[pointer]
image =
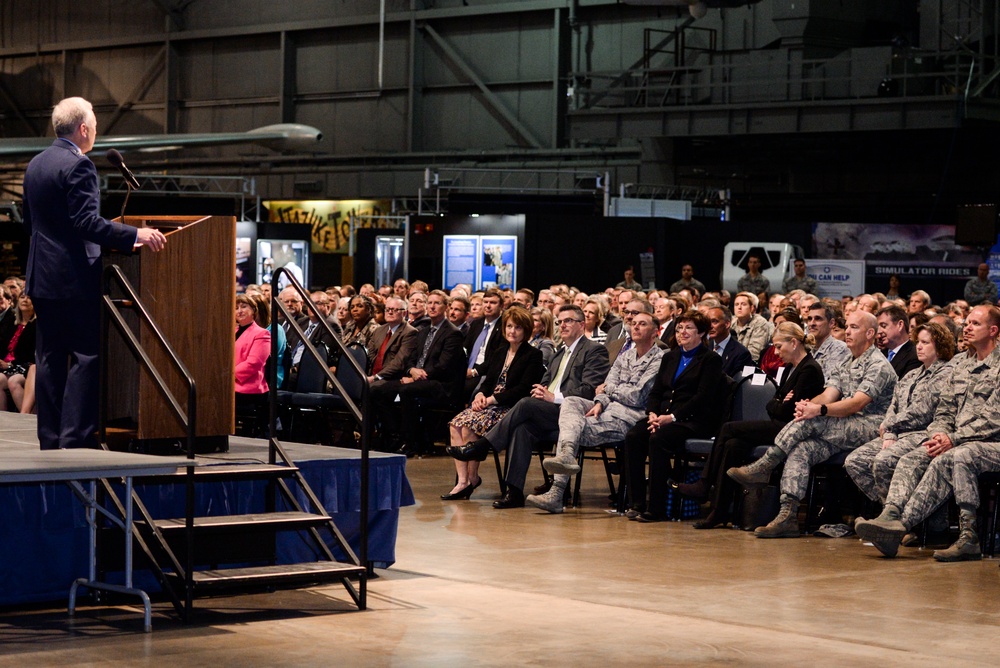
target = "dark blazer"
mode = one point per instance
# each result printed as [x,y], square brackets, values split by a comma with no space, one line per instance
[735,356]
[24,351]
[694,397]
[587,368]
[495,342]
[614,348]
[617,331]
[422,321]
[318,336]
[905,360]
[804,382]
[7,328]
[62,218]
[525,370]
[397,354]
[610,321]
[445,361]
[668,334]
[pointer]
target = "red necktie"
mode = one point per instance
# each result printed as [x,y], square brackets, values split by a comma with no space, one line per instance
[380,358]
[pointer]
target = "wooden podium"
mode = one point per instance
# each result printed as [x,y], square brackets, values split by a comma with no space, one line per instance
[189,290]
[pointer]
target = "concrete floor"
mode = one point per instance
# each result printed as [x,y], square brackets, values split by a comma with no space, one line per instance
[476,586]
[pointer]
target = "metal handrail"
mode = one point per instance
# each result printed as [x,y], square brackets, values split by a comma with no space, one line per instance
[360,413]
[111,314]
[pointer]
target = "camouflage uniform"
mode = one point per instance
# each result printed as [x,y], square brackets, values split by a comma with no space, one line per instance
[911,410]
[624,402]
[969,413]
[807,283]
[809,442]
[748,283]
[831,354]
[755,335]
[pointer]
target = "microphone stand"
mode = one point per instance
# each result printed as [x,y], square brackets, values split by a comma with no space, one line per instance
[125,203]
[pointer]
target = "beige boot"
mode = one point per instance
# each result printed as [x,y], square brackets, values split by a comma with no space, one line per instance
[786,524]
[966,548]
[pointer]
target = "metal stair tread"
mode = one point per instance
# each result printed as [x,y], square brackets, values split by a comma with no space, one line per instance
[224,471]
[273,575]
[281,520]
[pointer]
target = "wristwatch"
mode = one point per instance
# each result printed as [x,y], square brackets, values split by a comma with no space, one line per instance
[823,409]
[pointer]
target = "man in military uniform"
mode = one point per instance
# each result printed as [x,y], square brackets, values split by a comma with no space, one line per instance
[619,404]
[905,425]
[980,289]
[963,443]
[753,281]
[800,281]
[829,352]
[846,413]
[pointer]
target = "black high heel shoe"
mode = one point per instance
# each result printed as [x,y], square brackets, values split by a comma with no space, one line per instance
[462,494]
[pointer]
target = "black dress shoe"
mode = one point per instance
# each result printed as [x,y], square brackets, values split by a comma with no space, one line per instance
[544,487]
[409,450]
[712,521]
[514,498]
[473,451]
[647,517]
[461,495]
[696,490]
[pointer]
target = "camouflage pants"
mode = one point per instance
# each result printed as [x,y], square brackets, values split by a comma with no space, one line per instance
[909,471]
[575,430]
[933,489]
[810,442]
[971,459]
[871,466]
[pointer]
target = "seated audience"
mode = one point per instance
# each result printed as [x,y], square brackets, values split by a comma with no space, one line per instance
[770,361]
[253,347]
[541,334]
[751,330]
[362,325]
[510,375]
[392,345]
[19,354]
[593,313]
[734,356]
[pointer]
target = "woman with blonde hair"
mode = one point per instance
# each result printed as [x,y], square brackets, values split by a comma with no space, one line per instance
[541,333]
[802,379]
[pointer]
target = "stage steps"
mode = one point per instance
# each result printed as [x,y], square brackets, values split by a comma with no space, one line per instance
[284,576]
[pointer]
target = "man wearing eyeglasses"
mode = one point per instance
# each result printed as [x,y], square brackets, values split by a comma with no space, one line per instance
[576,371]
[629,311]
[392,344]
[316,334]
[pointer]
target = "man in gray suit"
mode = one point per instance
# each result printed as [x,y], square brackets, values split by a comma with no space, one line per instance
[576,371]
[392,345]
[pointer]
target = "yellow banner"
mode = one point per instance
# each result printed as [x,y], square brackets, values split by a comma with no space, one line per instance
[330,219]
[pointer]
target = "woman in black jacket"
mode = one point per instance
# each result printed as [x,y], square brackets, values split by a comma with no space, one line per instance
[683,404]
[512,370]
[802,379]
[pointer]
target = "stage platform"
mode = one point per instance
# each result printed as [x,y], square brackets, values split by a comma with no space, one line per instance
[43,529]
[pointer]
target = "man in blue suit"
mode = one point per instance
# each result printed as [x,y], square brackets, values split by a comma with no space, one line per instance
[62,217]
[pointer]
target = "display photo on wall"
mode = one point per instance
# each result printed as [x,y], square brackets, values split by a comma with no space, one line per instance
[498,268]
[273,254]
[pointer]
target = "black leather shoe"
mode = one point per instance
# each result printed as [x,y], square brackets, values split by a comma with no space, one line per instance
[648,517]
[544,487]
[711,522]
[409,450]
[473,451]
[461,495]
[514,498]
[696,490]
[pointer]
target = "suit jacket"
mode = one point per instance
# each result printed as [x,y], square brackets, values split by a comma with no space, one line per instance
[804,382]
[24,350]
[668,333]
[609,322]
[446,359]
[318,336]
[62,218]
[7,328]
[495,342]
[422,321]
[735,356]
[250,355]
[525,370]
[587,368]
[694,397]
[616,331]
[397,354]
[905,360]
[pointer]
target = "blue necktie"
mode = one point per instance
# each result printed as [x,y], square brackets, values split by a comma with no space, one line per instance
[892,353]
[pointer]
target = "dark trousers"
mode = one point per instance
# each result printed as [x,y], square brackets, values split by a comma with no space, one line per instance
[661,447]
[733,445]
[402,419]
[528,422]
[67,373]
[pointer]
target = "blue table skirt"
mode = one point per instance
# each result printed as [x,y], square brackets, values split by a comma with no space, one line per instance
[43,529]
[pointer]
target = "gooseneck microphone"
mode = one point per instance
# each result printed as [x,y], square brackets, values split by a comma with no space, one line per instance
[115,158]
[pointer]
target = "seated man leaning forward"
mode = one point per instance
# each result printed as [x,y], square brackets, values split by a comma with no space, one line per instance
[577,370]
[963,441]
[846,414]
[619,404]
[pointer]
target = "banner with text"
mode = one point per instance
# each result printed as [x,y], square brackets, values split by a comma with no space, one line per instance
[837,278]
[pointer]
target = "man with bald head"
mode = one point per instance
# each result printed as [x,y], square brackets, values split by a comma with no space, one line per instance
[846,414]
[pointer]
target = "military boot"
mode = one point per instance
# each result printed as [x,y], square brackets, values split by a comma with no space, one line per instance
[552,500]
[564,460]
[757,474]
[966,548]
[786,524]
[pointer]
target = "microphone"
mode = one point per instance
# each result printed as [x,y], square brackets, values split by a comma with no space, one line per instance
[115,158]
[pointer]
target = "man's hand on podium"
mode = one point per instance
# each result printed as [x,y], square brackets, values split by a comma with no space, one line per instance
[151,237]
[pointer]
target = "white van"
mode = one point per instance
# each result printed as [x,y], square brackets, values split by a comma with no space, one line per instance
[776,261]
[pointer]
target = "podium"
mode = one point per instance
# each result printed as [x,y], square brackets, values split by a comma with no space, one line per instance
[189,289]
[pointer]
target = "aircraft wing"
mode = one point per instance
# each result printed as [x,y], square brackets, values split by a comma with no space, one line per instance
[281,137]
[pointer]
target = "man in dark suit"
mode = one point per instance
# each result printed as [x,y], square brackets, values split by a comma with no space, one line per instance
[417,303]
[317,334]
[621,328]
[433,377]
[458,313]
[393,344]
[620,345]
[665,310]
[62,217]
[893,338]
[483,338]
[576,371]
[734,354]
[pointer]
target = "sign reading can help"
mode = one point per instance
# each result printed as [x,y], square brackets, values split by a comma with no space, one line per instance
[837,278]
